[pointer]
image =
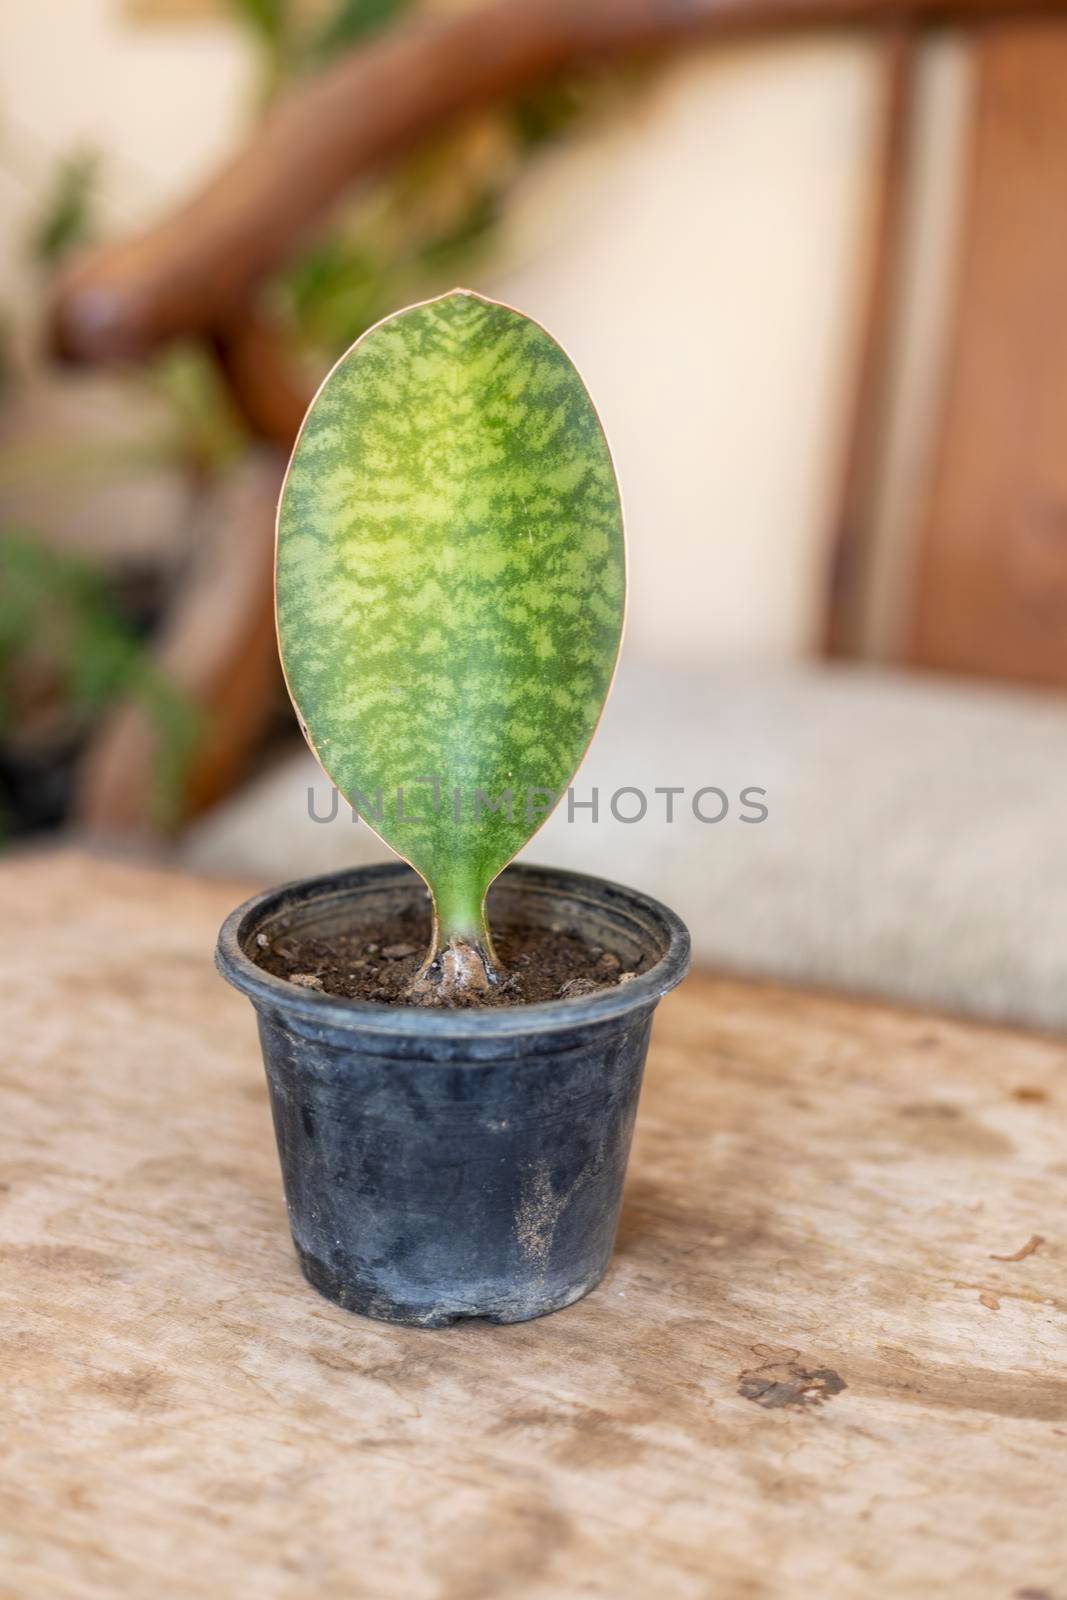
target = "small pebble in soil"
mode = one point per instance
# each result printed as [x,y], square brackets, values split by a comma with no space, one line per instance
[307,980]
[396,951]
[578,986]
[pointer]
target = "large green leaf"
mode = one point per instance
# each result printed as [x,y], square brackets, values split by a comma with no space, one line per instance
[450,586]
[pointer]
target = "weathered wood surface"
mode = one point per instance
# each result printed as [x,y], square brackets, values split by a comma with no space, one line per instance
[806,1374]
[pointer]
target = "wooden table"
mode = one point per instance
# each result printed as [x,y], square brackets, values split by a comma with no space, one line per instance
[828,1360]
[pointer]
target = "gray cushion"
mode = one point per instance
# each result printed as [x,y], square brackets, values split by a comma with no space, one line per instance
[913,846]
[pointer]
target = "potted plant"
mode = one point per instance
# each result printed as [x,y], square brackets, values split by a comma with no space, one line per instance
[454,1053]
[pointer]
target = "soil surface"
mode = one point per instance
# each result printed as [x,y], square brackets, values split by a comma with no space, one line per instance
[377,962]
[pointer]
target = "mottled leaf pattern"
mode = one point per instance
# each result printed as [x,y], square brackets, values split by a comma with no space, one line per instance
[450,584]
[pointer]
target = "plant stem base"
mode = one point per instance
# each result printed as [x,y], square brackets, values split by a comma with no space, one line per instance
[457,975]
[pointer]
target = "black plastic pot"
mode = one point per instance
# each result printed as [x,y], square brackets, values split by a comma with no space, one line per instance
[441,1164]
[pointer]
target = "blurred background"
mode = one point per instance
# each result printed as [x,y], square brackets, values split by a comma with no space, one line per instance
[810,260]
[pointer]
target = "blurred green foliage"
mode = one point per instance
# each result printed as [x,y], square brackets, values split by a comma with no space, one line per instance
[200,428]
[423,226]
[62,637]
[433,217]
[294,41]
[67,221]
[350,21]
[67,652]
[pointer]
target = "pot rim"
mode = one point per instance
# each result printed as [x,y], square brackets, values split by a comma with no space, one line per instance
[422,1022]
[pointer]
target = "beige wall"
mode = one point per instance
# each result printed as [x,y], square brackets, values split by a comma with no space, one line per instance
[700,267]
[162,103]
[698,262]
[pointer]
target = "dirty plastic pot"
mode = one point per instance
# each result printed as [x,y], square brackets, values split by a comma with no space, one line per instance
[441,1164]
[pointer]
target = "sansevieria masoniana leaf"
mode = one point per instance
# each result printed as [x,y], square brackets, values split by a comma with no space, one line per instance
[450,594]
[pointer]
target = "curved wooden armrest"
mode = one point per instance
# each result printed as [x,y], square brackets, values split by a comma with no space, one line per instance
[197,270]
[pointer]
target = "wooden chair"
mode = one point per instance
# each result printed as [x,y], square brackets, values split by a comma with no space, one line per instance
[988,588]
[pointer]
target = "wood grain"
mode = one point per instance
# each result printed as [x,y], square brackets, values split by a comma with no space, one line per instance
[804,1375]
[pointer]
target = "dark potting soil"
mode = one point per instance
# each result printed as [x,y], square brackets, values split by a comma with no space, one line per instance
[377,961]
